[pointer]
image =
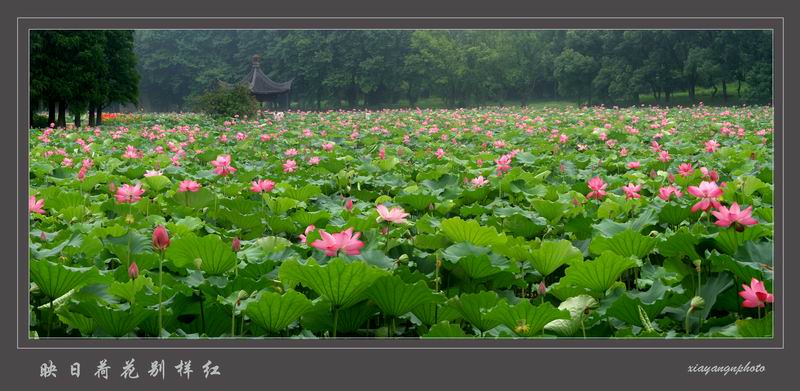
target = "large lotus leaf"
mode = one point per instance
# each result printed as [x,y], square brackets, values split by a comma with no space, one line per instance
[184,225]
[302,194]
[609,228]
[280,205]
[341,282]
[552,254]
[130,244]
[77,321]
[744,271]
[157,182]
[430,242]
[681,244]
[755,328]
[396,297]
[756,252]
[445,330]
[416,202]
[434,312]
[597,275]
[217,256]
[459,230]
[525,319]
[729,240]
[474,306]
[275,312]
[576,306]
[305,218]
[55,280]
[626,243]
[320,318]
[551,210]
[626,309]
[243,221]
[195,199]
[527,227]
[674,214]
[477,262]
[129,290]
[115,322]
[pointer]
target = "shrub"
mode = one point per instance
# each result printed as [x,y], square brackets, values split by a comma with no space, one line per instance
[226,101]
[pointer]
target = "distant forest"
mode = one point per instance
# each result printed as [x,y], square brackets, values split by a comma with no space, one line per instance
[379,68]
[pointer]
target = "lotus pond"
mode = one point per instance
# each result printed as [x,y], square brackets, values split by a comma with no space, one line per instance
[474,223]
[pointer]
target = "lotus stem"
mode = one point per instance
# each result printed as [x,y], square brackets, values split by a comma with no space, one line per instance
[335,319]
[50,318]
[160,289]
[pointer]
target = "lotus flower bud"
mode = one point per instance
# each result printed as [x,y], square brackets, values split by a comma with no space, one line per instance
[697,303]
[348,205]
[198,263]
[236,245]
[542,289]
[133,271]
[160,238]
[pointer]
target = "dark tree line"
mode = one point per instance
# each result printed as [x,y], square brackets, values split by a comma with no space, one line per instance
[378,68]
[81,71]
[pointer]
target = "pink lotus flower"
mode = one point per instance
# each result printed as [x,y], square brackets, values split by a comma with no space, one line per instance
[734,215]
[35,206]
[129,194]
[382,154]
[327,147]
[289,166]
[755,295]
[308,230]
[685,169]
[634,165]
[666,192]
[710,174]
[262,185]
[479,181]
[314,160]
[345,240]
[598,188]
[188,185]
[631,191]
[131,152]
[503,164]
[664,156]
[623,152]
[711,145]
[222,165]
[563,138]
[348,205]
[395,215]
[708,192]
[290,152]
[439,153]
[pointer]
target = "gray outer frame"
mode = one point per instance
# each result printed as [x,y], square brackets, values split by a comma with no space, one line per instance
[473,365]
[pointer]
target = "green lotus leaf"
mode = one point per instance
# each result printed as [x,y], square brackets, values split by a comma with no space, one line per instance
[598,275]
[445,330]
[216,256]
[729,240]
[474,306]
[552,254]
[550,210]
[320,318]
[674,214]
[157,182]
[302,194]
[343,283]
[281,205]
[435,312]
[77,321]
[755,328]
[197,199]
[626,243]
[626,309]
[416,202]
[681,244]
[576,307]
[55,280]
[743,271]
[525,319]
[459,230]
[395,297]
[275,312]
[115,322]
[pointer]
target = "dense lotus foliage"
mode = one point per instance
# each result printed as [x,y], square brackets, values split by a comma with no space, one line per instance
[473,223]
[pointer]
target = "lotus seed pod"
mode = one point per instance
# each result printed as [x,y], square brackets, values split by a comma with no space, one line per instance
[198,263]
